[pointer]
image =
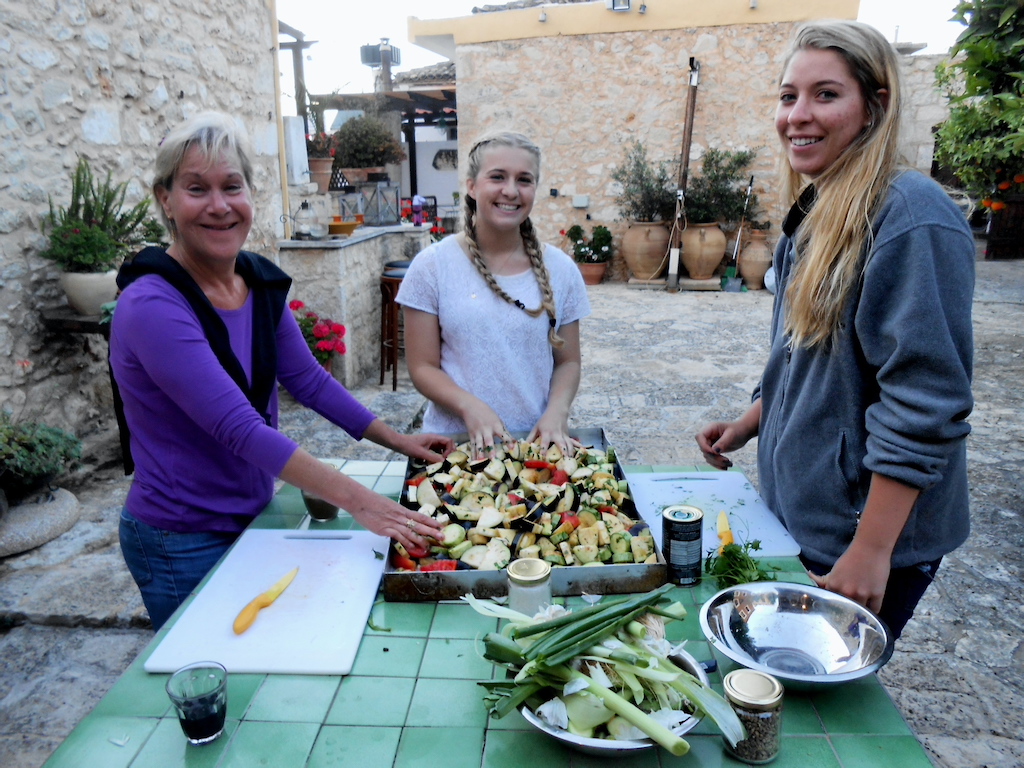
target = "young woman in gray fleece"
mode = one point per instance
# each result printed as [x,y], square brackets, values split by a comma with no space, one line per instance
[861,410]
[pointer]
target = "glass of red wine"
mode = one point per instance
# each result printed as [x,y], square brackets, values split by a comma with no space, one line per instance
[199,693]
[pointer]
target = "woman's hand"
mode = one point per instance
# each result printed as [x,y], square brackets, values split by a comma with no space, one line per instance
[410,528]
[553,430]
[720,437]
[859,575]
[424,445]
[484,426]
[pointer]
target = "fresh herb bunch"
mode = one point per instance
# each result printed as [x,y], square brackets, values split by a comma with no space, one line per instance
[323,336]
[735,565]
[32,454]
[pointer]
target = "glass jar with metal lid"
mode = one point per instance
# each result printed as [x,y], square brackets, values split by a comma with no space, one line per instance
[529,585]
[756,698]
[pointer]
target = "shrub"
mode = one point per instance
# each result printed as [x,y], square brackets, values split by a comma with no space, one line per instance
[365,142]
[32,454]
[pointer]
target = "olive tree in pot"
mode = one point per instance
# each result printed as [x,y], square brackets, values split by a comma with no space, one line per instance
[91,236]
[364,145]
[715,197]
[647,200]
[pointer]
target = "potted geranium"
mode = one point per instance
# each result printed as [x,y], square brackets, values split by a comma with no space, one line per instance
[591,256]
[91,236]
[323,336]
[647,200]
[365,145]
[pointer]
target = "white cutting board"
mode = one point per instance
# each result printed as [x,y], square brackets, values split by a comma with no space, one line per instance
[712,492]
[313,628]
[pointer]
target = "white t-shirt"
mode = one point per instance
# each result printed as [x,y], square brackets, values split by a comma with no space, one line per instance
[491,348]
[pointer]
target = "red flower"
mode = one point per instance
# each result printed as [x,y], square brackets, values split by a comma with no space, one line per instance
[321,330]
[339,347]
[295,304]
[338,329]
[325,346]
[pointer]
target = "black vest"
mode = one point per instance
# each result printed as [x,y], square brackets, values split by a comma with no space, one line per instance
[269,287]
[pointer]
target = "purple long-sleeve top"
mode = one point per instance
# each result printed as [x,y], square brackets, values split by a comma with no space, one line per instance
[205,460]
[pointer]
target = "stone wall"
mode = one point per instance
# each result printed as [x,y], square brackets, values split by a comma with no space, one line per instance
[340,280]
[106,80]
[583,98]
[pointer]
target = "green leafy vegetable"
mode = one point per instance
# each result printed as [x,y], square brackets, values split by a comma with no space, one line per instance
[736,565]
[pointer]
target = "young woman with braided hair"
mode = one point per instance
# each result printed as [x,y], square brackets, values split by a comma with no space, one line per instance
[861,411]
[492,314]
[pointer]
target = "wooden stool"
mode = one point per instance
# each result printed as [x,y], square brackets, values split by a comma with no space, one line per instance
[390,325]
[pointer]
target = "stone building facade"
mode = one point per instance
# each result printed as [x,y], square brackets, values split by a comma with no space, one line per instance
[105,80]
[584,82]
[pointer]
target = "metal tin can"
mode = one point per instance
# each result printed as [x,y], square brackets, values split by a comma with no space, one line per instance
[682,531]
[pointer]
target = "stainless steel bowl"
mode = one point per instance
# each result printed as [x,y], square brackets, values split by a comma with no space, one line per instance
[805,636]
[607,747]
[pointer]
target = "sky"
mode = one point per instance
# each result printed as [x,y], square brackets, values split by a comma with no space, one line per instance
[342,26]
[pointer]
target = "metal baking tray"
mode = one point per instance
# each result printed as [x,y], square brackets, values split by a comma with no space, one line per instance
[567,580]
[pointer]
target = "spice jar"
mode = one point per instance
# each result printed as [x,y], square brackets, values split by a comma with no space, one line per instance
[529,585]
[756,698]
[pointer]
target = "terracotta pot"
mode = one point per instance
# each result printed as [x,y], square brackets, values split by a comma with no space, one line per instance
[645,248]
[593,274]
[320,172]
[755,259]
[360,175]
[88,291]
[703,249]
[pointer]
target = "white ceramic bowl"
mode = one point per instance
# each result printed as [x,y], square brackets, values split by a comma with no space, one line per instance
[611,747]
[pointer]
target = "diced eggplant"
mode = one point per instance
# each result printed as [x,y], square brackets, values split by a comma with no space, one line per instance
[474,556]
[433,469]
[456,458]
[495,470]
[533,551]
[477,500]
[464,513]
[490,517]
[554,454]
[496,556]
[566,551]
[427,494]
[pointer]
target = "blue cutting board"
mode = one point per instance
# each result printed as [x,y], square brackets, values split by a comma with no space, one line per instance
[711,492]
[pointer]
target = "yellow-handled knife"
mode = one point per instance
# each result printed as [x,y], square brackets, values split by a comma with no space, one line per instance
[248,614]
[724,531]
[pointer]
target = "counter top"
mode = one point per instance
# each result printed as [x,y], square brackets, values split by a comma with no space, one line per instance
[412,700]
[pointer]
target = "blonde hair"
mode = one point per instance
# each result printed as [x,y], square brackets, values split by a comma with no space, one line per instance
[849,192]
[214,135]
[531,243]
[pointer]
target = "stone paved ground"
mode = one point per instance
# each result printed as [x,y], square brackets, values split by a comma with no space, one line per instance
[657,366]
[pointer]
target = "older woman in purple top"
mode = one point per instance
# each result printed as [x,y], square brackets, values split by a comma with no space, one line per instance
[200,339]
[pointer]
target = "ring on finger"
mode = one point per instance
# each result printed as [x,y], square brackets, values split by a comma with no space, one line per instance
[410,523]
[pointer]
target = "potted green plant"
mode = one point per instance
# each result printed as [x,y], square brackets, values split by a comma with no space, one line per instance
[365,145]
[591,256]
[32,455]
[982,141]
[91,236]
[647,199]
[323,336]
[320,150]
[717,195]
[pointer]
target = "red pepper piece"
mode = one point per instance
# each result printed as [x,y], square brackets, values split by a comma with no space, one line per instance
[559,477]
[537,464]
[440,565]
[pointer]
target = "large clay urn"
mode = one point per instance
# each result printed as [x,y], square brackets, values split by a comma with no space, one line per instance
[645,248]
[703,249]
[755,259]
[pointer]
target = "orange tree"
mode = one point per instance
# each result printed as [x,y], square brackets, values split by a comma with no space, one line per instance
[983,139]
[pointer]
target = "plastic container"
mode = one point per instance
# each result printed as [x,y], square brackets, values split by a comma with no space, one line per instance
[756,698]
[529,585]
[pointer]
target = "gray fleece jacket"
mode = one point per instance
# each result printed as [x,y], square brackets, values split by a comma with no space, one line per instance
[890,396]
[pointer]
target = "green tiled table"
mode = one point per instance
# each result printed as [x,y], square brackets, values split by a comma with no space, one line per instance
[412,701]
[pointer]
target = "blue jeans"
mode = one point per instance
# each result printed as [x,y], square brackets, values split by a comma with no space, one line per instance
[903,591]
[167,565]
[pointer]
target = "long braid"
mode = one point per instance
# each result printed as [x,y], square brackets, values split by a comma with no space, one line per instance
[535,251]
[531,244]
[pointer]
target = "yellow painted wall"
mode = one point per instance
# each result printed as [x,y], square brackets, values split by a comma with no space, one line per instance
[440,35]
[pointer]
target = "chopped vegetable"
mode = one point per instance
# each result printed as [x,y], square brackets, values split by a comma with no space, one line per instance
[724,531]
[599,671]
